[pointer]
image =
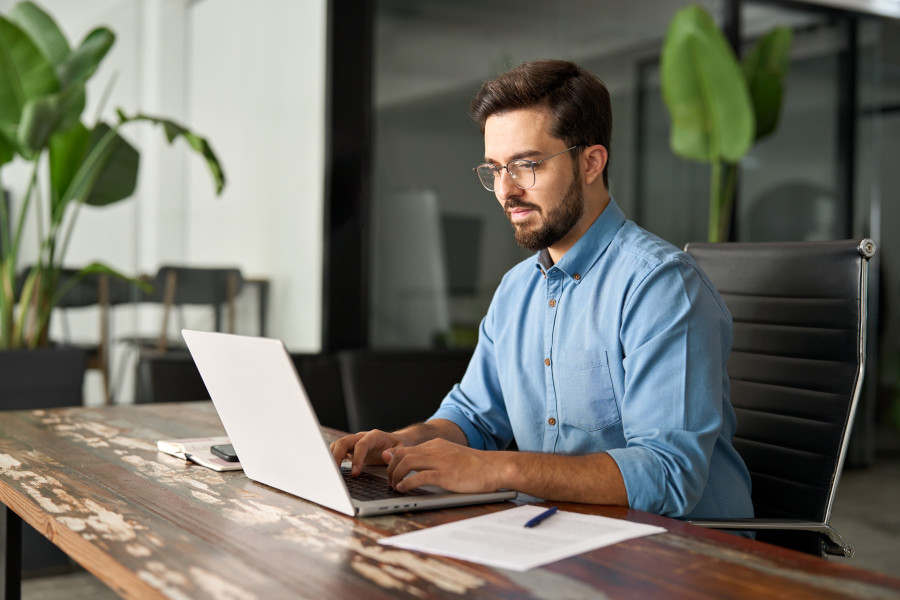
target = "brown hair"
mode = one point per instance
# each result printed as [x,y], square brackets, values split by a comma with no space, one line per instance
[578,101]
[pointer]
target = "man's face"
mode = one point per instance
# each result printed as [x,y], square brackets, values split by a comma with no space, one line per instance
[543,214]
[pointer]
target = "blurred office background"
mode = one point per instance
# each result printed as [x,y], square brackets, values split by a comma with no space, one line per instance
[344,133]
[343,130]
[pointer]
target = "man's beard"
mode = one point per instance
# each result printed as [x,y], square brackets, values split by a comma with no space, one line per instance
[556,223]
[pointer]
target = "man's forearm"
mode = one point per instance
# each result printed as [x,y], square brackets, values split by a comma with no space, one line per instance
[591,479]
[433,429]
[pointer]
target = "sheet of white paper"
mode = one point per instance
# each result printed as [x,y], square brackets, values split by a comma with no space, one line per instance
[501,539]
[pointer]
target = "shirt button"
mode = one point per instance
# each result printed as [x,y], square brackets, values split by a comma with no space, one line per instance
[551,421]
[552,303]
[576,276]
[547,361]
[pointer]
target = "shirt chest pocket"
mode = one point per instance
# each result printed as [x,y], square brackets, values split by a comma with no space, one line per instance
[584,390]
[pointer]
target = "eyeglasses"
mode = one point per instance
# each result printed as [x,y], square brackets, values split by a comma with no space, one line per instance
[521,171]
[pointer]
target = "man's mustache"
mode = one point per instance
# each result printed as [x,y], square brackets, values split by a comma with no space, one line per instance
[509,205]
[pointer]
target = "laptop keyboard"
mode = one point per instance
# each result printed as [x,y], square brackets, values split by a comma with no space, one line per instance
[372,487]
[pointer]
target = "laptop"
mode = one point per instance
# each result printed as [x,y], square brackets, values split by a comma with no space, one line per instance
[274,430]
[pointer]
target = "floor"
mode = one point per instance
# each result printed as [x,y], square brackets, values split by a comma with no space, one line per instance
[866,513]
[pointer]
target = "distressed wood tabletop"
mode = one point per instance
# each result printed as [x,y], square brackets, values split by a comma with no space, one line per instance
[153,526]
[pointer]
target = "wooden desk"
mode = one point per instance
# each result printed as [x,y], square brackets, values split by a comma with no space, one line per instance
[152,526]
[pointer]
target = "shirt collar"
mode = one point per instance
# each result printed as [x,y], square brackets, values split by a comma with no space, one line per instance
[581,257]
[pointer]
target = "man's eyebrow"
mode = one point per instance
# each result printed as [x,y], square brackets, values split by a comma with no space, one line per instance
[516,156]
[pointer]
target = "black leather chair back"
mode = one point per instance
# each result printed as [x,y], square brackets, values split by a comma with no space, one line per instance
[169,377]
[390,389]
[796,363]
[321,378]
[195,285]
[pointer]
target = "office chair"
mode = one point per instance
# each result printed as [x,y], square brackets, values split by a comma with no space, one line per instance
[321,378]
[176,286]
[796,369]
[169,377]
[390,389]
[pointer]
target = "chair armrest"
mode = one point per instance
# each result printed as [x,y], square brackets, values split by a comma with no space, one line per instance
[832,542]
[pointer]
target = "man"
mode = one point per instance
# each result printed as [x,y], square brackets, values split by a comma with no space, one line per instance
[603,359]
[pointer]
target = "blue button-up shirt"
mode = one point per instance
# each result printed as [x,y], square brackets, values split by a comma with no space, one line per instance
[620,347]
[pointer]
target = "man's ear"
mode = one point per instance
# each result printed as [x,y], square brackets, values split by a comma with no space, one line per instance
[594,158]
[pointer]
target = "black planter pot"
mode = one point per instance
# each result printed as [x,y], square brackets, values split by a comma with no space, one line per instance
[43,378]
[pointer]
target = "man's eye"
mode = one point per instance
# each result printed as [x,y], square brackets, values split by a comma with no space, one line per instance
[521,166]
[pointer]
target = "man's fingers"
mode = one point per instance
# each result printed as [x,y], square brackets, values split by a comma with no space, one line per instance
[360,451]
[366,447]
[369,448]
[417,479]
[406,461]
[344,447]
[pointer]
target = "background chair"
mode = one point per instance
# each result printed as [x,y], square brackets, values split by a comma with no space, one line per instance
[103,291]
[321,378]
[177,286]
[389,389]
[170,377]
[796,369]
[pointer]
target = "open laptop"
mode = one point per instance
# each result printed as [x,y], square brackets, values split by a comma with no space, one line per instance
[271,424]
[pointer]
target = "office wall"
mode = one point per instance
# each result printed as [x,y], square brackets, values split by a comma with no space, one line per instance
[255,85]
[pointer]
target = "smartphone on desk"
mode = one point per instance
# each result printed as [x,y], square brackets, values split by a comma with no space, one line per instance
[224,451]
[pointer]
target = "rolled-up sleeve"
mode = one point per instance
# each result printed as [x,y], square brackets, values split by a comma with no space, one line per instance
[675,336]
[476,404]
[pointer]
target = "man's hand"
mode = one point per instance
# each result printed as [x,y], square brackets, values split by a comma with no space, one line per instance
[446,464]
[592,478]
[364,448]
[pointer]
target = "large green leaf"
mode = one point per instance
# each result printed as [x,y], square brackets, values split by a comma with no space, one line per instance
[118,176]
[43,116]
[96,167]
[705,91]
[765,68]
[109,173]
[173,130]
[25,73]
[42,30]
[83,61]
[68,150]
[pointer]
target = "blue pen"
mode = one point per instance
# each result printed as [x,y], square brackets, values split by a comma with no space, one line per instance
[541,517]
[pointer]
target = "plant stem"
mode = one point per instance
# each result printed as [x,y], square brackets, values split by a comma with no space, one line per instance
[4,223]
[23,214]
[715,200]
[7,277]
[727,200]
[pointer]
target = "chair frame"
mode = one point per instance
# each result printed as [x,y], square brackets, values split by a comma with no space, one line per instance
[831,541]
[171,283]
[101,354]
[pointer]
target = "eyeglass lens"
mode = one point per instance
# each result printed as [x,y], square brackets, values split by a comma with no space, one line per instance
[521,172]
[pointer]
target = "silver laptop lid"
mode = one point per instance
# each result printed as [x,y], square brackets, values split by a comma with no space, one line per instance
[267,415]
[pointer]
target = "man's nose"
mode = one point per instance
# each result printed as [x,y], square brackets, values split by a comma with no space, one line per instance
[505,187]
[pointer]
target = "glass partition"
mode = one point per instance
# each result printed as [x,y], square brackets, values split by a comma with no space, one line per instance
[439,242]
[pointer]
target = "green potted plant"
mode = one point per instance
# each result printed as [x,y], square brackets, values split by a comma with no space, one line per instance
[718,106]
[75,163]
